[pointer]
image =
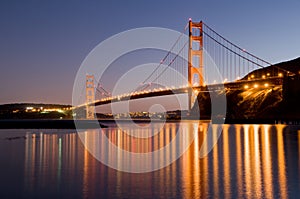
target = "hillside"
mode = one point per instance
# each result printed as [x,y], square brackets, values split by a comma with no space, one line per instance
[291,67]
[271,103]
[34,111]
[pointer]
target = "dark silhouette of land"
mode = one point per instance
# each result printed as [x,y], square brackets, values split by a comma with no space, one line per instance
[35,111]
[259,105]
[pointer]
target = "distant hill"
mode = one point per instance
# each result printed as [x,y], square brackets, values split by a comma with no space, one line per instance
[34,111]
[5,107]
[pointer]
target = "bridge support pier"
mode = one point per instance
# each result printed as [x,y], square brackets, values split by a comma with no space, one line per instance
[195,59]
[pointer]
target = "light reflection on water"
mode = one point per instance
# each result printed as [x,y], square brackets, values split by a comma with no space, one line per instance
[248,161]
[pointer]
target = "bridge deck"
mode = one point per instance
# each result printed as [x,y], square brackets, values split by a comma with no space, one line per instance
[239,84]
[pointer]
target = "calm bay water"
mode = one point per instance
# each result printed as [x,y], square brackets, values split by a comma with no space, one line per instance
[248,161]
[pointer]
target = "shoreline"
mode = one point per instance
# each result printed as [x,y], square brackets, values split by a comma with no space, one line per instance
[49,124]
[92,124]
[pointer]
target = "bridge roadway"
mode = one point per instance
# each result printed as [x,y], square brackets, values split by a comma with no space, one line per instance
[239,84]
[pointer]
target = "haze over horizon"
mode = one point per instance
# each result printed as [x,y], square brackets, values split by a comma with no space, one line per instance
[44,43]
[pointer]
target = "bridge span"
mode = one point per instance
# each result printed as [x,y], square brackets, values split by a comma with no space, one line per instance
[237,85]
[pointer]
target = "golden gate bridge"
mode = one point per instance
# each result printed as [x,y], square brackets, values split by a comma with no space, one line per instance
[238,69]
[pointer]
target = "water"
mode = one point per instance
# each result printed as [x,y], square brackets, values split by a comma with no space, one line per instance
[248,161]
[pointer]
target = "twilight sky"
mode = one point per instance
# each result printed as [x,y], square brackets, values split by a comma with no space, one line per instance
[43,43]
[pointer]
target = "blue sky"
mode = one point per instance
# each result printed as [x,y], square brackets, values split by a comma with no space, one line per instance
[43,43]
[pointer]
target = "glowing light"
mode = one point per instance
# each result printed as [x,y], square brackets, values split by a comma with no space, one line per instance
[266,84]
[264,77]
[268,74]
[280,74]
[246,86]
[190,19]
[252,76]
[255,85]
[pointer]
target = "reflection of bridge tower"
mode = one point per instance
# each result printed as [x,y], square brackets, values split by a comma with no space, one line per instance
[90,96]
[195,58]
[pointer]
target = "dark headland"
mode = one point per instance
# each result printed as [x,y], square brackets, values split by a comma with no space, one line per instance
[276,104]
[41,116]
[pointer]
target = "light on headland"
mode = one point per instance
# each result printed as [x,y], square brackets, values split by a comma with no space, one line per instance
[266,84]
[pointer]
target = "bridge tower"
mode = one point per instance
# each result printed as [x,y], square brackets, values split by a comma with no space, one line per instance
[90,96]
[195,59]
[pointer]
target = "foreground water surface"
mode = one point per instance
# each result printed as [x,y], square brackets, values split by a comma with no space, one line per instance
[247,161]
